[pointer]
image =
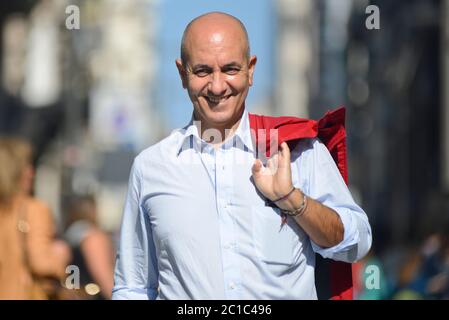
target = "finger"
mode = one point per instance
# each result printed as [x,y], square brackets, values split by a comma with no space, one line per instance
[257,167]
[272,163]
[284,154]
[285,150]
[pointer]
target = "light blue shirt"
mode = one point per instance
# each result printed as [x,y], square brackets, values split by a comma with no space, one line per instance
[195,226]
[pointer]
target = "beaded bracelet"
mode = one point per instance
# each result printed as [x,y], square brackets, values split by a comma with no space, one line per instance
[297,212]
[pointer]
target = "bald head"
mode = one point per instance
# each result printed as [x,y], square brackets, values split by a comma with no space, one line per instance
[214,26]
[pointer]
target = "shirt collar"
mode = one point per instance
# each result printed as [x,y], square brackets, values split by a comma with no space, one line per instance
[190,133]
[243,131]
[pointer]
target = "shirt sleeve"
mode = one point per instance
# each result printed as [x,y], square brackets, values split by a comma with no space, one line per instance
[136,273]
[326,185]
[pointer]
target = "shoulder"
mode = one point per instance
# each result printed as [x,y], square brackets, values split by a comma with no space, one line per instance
[308,148]
[96,241]
[160,152]
[38,214]
[96,236]
[37,205]
[78,231]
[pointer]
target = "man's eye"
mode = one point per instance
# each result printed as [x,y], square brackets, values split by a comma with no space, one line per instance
[232,71]
[201,73]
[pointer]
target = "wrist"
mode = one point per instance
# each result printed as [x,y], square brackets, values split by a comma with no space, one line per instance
[283,196]
[293,202]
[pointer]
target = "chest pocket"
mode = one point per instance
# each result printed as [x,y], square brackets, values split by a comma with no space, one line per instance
[274,244]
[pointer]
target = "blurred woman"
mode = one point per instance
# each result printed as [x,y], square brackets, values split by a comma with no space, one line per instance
[92,249]
[29,254]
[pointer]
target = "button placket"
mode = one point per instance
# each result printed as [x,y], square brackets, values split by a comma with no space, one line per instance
[227,236]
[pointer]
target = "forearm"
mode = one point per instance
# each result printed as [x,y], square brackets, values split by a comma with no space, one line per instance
[44,262]
[322,224]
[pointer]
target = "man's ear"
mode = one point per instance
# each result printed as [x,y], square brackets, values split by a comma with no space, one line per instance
[182,73]
[251,66]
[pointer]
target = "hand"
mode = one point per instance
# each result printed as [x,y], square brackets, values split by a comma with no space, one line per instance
[275,179]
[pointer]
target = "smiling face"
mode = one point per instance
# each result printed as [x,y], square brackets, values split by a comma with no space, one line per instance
[217,71]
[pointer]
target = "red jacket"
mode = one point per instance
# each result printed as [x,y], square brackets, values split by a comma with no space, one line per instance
[331,131]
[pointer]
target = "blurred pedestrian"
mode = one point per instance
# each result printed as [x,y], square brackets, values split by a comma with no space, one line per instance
[32,261]
[410,285]
[436,266]
[92,248]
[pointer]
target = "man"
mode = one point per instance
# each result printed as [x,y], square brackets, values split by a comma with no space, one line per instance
[199,220]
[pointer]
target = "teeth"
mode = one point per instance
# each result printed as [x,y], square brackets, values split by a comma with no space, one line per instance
[216,100]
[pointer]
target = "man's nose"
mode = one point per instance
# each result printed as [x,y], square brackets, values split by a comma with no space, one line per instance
[217,84]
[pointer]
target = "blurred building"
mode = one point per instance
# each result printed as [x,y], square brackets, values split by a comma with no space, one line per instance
[392,83]
[395,96]
[445,100]
[116,49]
[296,65]
[80,95]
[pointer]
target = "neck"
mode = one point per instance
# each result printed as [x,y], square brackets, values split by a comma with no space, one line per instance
[218,134]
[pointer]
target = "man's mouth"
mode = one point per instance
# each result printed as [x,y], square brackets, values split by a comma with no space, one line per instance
[217,100]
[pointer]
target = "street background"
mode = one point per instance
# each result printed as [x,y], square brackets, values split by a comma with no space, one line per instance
[92,98]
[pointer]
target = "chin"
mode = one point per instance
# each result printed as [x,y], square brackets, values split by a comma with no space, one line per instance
[220,117]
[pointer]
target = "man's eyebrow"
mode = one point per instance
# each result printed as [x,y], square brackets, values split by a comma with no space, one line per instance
[232,64]
[201,66]
[205,66]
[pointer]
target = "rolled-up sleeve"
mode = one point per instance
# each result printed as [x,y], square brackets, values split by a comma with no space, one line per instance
[327,186]
[136,273]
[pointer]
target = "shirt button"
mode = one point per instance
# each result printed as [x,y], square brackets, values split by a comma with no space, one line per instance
[232,285]
[230,245]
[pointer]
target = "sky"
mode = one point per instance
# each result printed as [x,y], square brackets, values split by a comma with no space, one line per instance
[259,18]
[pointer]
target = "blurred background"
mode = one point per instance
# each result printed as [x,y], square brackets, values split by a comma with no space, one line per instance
[92,98]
